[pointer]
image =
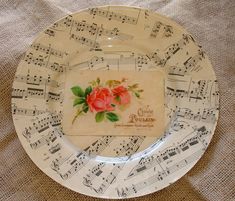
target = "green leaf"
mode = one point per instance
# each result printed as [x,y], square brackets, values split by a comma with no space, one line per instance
[137,95]
[99,116]
[134,86]
[85,108]
[78,101]
[113,105]
[98,80]
[112,116]
[77,91]
[88,91]
[93,83]
[117,98]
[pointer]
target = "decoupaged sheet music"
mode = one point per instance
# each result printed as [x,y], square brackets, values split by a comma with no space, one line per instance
[122,39]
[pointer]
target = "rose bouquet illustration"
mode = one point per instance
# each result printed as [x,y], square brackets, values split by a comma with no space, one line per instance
[104,99]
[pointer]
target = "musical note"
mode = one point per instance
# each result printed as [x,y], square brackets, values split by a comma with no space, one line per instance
[188,66]
[192,90]
[81,26]
[114,15]
[110,179]
[141,61]
[51,96]
[85,41]
[138,62]
[48,50]
[37,93]
[133,61]
[73,164]
[55,148]
[198,90]
[99,145]
[65,23]
[95,171]
[175,47]
[155,29]
[168,30]
[95,30]
[36,80]
[68,21]
[27,133]
[18,93]
[214,94]
[50,32]
[58,162]
[207,115]
[127,148]
[156,59]
[26,111]
[88,64]
[47,140]
[43,61]
[146,14]
[130,146]
[192,61]
[159,60]
[178,93]
[34,93]
[159,176]
[146,163]
[41,125]
[179,125]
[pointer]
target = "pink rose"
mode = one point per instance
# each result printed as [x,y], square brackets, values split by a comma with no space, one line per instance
[100,100]
[121,95]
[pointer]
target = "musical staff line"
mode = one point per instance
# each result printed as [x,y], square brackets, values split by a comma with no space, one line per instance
[96,30]
[47,140]
[48,50]
[26,111]
[207,115]
[167,30]
[146,163]
[50,32]
[151,60]
[194,90]
[44,61]
[176,47]
[37,93]
[158,177]
[68,167]
[128,148]
[188,66]
[85,41]
[41,125]
[36,80]
[110,15]
[93,29]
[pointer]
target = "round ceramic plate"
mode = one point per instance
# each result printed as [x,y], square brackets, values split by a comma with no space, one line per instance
[125,40]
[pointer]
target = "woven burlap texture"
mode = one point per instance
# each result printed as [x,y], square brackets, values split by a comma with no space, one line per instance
[210,22]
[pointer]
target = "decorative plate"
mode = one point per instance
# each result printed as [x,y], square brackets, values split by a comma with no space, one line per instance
[129,41]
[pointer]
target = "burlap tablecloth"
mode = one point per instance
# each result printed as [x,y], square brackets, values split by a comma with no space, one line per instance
[211,22]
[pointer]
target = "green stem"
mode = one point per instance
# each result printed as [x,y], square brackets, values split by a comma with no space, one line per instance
[75,117]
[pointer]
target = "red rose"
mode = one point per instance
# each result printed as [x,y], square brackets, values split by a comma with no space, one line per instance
[100,100]
[121,95]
